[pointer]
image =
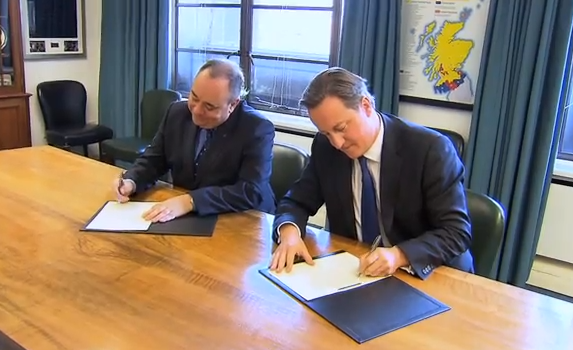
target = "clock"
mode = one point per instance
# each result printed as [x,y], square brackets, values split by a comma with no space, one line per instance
[3,38]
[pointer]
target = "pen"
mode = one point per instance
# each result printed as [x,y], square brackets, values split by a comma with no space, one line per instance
[373,247]
[120,183]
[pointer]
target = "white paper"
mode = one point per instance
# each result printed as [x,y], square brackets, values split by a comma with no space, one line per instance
[331,274]
[115,216]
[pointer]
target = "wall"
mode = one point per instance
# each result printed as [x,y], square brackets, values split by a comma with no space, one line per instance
[85,70]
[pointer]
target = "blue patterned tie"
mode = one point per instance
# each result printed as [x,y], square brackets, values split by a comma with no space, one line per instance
[369,210]
[205,136]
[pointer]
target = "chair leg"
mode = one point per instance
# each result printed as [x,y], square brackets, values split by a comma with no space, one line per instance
[85,148]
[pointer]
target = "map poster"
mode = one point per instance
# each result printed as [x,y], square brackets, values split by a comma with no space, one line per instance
[441,48]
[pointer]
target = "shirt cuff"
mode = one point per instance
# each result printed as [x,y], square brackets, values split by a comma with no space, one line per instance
[133,183]
[279,230]
[408,269]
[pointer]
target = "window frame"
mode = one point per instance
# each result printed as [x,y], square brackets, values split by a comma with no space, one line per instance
[246,57]
[567,118]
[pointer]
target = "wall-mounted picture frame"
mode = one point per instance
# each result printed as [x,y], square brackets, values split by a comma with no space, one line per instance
[53,29]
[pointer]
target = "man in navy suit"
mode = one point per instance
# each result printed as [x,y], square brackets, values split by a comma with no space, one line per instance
[216,146]
[377,175]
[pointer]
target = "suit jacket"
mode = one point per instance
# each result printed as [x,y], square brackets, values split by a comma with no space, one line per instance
[233,174]
[422,199]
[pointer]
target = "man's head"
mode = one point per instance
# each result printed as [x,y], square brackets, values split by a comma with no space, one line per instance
[217,89]
[341,107]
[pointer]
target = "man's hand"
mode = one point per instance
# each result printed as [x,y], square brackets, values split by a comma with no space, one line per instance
[382,262]
[169,209]
[290,247]
[123,189]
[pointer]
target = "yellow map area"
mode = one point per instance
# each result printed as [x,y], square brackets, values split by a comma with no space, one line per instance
[446,53]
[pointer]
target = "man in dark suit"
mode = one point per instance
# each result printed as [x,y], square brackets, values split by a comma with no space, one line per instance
[377,175]
[216,146]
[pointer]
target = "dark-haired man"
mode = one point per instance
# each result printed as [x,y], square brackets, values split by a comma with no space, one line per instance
[377,175]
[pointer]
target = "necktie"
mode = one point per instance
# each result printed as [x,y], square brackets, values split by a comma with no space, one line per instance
[369,210]
[205,136]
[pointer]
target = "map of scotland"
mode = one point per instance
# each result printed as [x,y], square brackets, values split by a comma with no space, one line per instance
[443,49]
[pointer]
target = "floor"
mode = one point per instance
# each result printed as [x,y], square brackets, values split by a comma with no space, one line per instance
[552,275]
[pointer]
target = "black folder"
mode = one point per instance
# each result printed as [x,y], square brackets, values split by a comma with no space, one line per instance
[372,310]
[190,224]
[6,343]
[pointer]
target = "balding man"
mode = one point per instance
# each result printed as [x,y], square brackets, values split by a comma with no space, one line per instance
[216,146]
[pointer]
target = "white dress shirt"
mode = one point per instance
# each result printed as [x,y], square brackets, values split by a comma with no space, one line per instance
[374,157]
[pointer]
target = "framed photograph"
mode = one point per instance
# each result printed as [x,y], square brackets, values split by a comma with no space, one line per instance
[53,29]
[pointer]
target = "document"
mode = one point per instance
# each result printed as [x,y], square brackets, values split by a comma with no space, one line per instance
[330,274]
[115,216]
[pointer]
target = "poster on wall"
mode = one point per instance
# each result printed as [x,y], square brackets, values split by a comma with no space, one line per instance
[441,49]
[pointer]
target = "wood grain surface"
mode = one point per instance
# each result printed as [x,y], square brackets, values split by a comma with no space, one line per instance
[65,289]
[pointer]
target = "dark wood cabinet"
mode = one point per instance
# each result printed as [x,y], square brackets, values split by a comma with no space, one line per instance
[14,101]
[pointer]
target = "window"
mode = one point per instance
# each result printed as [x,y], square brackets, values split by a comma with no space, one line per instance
[280,44]
[565,151]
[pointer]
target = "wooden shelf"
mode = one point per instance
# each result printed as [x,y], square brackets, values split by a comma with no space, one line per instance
[14,101]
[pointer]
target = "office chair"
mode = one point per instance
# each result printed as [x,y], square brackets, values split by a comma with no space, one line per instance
[488,227]
[288,163]
[63,106]
[153,107]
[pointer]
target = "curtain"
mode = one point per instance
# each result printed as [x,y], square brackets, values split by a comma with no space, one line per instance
[134,59]
[370,47]
[517,118]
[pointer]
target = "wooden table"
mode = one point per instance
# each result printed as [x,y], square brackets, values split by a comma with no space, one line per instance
[65,289]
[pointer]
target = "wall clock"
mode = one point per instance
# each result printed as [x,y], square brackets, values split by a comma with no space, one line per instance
[3,38]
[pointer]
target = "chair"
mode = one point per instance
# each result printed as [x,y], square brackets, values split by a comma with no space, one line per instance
[457,139]
[154,105]
[288,163]
[63,105]
[488,227]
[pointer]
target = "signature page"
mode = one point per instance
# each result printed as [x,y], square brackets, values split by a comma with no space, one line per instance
[329,275]
[115,216]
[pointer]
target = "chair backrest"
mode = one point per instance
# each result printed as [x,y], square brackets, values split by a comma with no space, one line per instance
[63,103]
[154,105]
[488,227]
[288,163]
[457,139]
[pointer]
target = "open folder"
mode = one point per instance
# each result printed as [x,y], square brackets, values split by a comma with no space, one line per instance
[128,217]
[362,307]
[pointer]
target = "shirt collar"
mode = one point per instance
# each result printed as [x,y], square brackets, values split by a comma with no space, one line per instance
[374,153]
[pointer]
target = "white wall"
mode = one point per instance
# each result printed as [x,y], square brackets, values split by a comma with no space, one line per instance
[84,70]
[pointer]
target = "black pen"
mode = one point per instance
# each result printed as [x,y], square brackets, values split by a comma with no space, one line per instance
[120,184]
[373,247]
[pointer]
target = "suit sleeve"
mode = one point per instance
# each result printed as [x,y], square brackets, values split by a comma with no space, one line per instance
[253,178]
[446,211]
[152,164]
[303,199]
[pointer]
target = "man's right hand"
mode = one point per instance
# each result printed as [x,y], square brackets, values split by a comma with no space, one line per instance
[291,245]
[123,189]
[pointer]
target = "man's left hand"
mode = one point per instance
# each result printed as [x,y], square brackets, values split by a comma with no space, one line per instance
[169,209]
[382,262]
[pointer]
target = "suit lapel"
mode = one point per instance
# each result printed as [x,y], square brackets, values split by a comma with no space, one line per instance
[344,179]
[190,144]
[218,144]
[390,167]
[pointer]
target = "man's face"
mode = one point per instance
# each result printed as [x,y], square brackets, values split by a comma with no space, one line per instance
[209,101]
[348,130]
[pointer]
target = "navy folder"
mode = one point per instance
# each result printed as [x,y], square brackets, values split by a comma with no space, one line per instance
[372,310]
[6,343]
[187,225]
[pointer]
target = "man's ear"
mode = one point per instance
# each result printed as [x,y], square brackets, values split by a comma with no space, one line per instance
[367,105]
[234,105]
